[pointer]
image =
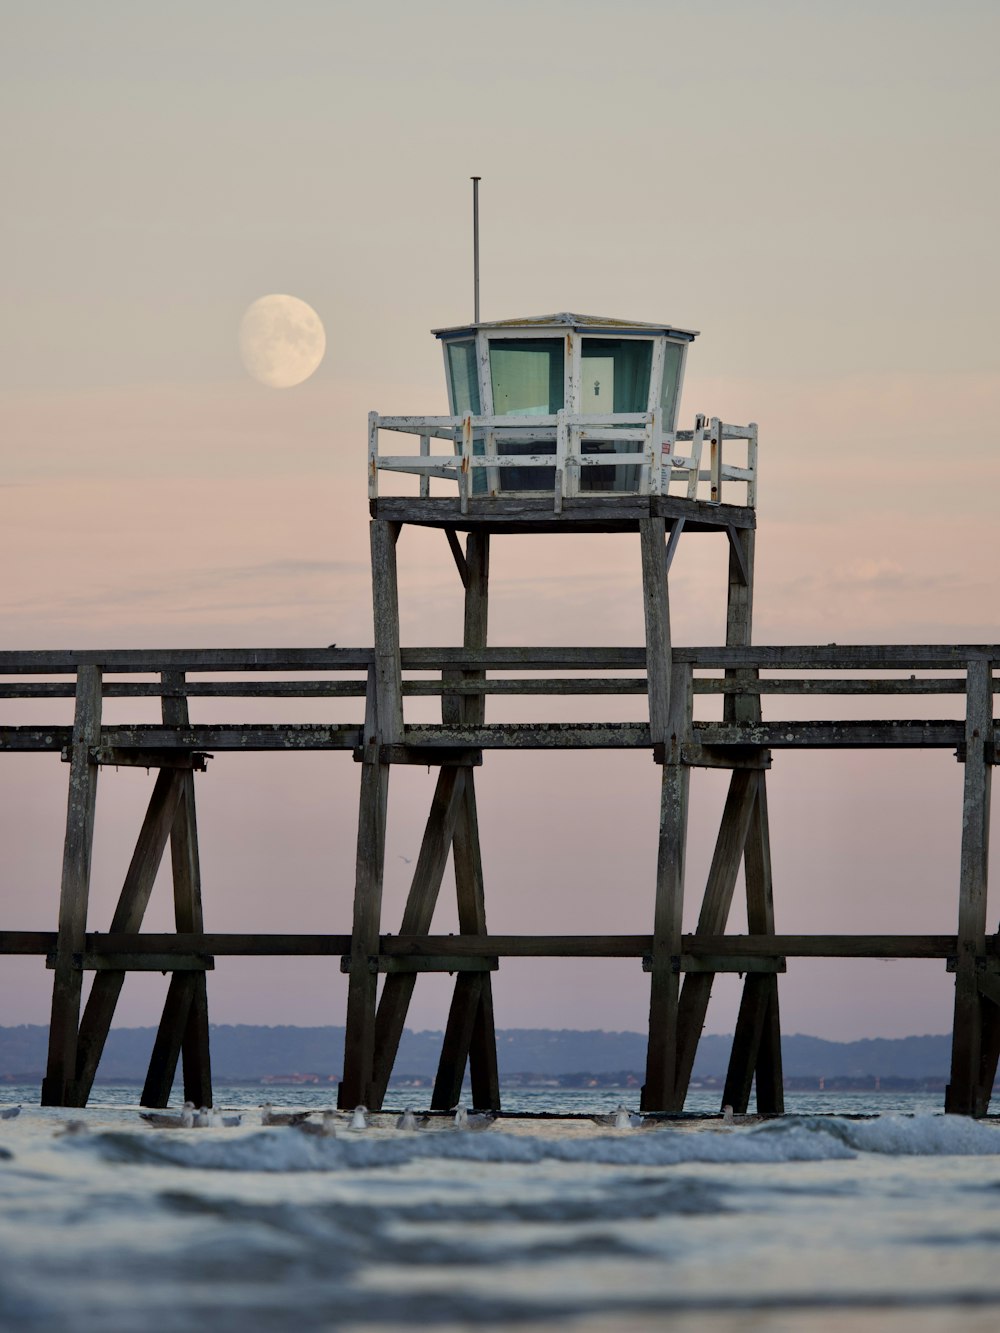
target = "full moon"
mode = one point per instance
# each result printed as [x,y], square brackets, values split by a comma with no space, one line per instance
[282,340]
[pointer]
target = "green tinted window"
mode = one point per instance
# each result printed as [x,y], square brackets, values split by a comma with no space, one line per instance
[527,376]
[615,374]
[673,359]
[464,383]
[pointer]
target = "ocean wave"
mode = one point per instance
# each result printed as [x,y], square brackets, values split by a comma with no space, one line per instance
[799,1139]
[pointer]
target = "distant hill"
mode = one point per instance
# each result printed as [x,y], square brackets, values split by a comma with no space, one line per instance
[250,1053]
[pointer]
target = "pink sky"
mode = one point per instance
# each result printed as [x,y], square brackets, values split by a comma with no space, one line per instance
[817,208]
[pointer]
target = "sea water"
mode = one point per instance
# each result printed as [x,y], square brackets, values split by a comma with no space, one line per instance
[849,1221]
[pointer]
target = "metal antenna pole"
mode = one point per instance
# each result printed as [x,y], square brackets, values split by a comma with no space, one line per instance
[475,241]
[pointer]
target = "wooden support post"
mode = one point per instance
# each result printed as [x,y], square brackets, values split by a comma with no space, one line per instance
[181,995]
[482,1047]
[187,996]
[697,989]
[658,1093]
[75,890]
[757,1041]
[385,598]
[417,916]
[356,1087]
[127,919]
[656,606]
[470,1036]
[966,1094]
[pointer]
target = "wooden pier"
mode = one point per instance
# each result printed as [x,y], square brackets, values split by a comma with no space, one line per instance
[681,967]
[516,471]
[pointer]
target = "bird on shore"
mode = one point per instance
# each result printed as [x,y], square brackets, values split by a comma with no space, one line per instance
[477,1121]
[407,1120]
[268,1116]
[161,1120]
[359,1118]
[620,1119]
[10,1112]
[327,1129]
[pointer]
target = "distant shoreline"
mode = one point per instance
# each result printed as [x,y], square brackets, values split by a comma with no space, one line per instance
[285,1056]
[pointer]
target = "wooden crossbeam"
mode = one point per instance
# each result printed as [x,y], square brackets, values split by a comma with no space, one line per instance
[127,918]
[697,988]
[428,873]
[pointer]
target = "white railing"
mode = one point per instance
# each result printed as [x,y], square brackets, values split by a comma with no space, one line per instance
[477,449]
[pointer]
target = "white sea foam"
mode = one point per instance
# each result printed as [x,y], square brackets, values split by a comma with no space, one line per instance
[809,1139]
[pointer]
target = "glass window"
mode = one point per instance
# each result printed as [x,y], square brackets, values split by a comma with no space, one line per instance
[528,378]
[527,375]
[463,380]
[673,359]
[627,361]
[614,378]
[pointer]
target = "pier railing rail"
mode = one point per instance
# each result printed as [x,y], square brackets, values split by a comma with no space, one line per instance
[570,445]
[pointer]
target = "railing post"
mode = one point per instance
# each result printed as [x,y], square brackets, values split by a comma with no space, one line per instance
[694,472]
[715,461]
[654,452]
[465,474]
[373,455]
[425,480]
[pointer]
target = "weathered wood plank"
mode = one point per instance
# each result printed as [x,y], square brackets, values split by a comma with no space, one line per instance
[608,513]
[359,1042]
[760,920]
[482,1049]
[394,966]
[74,892]
[965,1095]
[230,945]
[817,657]
[656,611]
[659,1089]
[776,735]
[189,916]
[385,600]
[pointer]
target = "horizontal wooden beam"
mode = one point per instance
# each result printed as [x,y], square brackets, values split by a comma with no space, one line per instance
[441,947]
[587,513]
[689,962]
[120,758]
[540,685]
[444,756]
[784,657]
[137,962]
[392,963]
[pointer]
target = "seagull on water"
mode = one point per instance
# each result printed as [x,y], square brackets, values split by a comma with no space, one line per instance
[359,1118]
[407,1120]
